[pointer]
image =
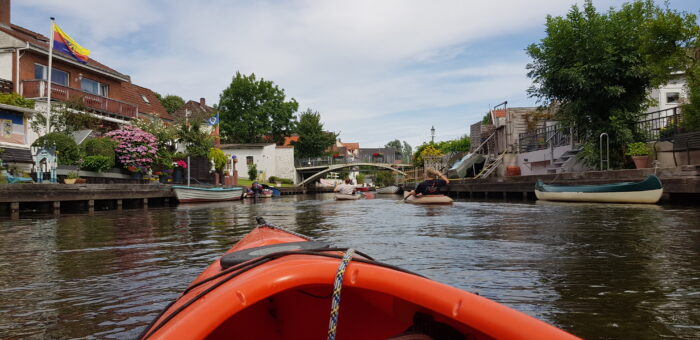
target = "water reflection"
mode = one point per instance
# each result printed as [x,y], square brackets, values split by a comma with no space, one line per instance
[599,271]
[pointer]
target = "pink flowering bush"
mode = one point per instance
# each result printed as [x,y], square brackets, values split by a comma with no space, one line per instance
[136,149]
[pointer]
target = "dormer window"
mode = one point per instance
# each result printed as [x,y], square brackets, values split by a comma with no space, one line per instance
[145,99]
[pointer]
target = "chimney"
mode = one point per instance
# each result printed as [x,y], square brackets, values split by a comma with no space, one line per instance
[202,101]
[5,13]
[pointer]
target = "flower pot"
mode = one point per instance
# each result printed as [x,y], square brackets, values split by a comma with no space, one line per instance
[69,180]
[177,175]
[640,162]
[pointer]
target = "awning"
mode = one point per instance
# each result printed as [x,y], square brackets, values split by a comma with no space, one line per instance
[15,155]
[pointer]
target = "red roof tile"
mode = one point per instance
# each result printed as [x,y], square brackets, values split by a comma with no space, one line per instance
[135,94]
[42,42]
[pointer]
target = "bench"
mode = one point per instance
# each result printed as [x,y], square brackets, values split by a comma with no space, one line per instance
[686,142]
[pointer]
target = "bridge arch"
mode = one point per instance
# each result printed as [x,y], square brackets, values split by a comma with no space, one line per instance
[349,165]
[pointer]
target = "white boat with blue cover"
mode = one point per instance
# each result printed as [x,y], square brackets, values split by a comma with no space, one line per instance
[187,194]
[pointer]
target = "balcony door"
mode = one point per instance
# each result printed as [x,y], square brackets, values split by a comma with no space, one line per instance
[57,76]
[94,87]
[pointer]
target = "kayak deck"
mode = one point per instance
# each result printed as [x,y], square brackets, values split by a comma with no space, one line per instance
[287,295]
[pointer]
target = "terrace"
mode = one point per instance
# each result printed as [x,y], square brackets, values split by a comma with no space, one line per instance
[107,106]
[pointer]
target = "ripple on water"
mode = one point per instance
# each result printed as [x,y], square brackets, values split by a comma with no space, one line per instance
[599,271]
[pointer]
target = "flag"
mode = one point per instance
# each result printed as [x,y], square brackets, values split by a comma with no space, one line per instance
[64,43]
[214,120]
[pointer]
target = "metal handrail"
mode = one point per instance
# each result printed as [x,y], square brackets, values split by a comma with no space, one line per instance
[605,160]
[484,143]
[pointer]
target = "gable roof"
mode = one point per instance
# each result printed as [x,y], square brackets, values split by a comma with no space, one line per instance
[40,43]
[151,105]
[197,110]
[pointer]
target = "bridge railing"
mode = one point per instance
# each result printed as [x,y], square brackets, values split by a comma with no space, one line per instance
[328,161]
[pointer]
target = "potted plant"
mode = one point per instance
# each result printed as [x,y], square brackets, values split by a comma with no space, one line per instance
[71,177]
[639,151]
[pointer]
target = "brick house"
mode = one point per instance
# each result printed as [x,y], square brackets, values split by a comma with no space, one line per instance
[106,93]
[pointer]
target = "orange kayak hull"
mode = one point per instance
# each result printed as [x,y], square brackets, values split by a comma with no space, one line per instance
[290,298]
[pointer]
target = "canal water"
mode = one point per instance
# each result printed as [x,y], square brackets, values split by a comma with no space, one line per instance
[598,271]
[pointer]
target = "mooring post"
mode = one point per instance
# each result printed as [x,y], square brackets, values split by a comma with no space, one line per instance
[14,210]
[524,195]
[145,203]
[91,206]
[56,208]
[120,205]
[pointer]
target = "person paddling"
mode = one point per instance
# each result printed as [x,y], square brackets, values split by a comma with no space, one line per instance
[431,186]
[345,189]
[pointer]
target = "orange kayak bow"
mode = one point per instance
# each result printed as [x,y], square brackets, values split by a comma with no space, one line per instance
[276,284]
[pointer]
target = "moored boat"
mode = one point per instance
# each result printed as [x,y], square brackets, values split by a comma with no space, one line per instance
[427,199]
[392,189]
[187,194]
[276,284]
[646,191]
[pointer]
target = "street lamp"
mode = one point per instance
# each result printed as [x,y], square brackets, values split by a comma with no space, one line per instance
[432,134]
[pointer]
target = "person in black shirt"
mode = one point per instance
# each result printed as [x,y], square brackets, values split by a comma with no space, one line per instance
[431,186]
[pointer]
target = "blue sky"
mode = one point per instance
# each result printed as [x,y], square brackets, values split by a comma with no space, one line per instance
[375,70]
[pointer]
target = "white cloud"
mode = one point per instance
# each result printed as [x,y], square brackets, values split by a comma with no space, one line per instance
[376,70]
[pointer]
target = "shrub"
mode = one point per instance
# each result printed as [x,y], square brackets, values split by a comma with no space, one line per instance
[252,172]
[638,149]
[97,163]
[68,153]
[100,147]
[136,148]
[16,100]
[219,158]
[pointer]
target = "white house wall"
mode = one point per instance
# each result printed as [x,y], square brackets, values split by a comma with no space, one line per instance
[285,163]
[6,65]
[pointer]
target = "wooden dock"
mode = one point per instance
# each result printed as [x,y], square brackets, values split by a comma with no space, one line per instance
[80,198]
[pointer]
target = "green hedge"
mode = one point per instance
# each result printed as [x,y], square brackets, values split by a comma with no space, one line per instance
[68,153]
[103,147]
[274,179]
[97,163]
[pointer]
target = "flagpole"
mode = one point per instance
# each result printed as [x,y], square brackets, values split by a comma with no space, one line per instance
[48,96]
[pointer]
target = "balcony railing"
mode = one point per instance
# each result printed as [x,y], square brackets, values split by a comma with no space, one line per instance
[544,138]
[38,89]
[661,125]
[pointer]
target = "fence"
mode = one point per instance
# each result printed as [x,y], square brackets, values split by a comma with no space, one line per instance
[326,161]
[543,138]
[661,125]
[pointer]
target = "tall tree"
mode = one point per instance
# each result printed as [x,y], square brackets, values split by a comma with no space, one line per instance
[407,151]
[252,109]
[171,102]
[599,67]
[313,141]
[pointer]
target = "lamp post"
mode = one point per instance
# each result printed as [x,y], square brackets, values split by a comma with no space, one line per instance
[432,134]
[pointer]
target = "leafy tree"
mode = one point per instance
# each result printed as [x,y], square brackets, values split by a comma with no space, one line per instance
[171,102]
[457,145]
[599,67]
[426,149]
[406,151]
[252,109]
[313,141]
[396,144]
[196,141]
[219,159]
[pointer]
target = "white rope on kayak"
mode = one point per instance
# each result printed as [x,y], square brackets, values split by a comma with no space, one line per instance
[337,286]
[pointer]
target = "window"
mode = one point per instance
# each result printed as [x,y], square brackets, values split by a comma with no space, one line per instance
[145,99]
[249,160]
[672,97]
[94,87]
[57,76]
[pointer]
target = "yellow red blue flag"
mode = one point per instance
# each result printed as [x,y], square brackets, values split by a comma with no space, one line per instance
[63,42]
